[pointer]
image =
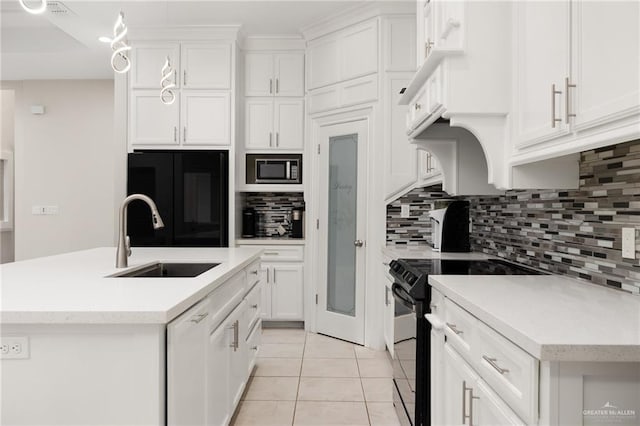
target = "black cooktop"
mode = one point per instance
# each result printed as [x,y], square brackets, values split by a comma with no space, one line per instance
[412,274]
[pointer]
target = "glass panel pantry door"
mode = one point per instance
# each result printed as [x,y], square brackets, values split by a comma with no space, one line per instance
[341,249]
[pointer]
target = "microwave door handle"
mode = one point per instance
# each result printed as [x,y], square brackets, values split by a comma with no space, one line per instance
[288,170]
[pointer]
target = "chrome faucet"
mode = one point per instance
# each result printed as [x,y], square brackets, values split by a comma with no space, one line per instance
[124,245]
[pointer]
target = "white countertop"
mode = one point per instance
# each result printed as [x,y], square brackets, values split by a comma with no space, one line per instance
[268,241]
[425,252]
[552,317]
[72,288]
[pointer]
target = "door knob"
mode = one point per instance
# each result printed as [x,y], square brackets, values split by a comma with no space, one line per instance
[358,243]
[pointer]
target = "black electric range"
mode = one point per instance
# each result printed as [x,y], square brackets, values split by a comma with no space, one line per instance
[412,375]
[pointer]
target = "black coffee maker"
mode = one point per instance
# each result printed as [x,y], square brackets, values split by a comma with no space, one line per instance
[297,222]
[249,222]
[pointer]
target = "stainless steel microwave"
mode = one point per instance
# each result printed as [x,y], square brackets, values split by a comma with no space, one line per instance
[274,168]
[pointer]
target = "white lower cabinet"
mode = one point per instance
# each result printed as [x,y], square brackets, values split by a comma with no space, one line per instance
[284,283]
[468,400]
[211,351]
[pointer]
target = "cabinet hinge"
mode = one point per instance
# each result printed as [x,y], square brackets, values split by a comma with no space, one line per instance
[316,299]
[318,148]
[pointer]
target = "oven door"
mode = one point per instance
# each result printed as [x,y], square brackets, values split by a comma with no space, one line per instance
[404,362]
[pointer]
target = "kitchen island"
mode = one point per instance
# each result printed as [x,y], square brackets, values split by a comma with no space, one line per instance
[83,347]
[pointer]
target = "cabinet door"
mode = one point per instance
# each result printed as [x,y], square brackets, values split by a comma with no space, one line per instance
[238,359]
[152,122]
[218,401]
[359,51]
[322,65]
[458,379]
[286,295]
[606,54]
[206,66]
[259,123]
[401,158]
[289,123]
[258,74]
[289,74]
[265,303]
[489,409]
[206,118]
[542,55]
[147,60]
[187,340]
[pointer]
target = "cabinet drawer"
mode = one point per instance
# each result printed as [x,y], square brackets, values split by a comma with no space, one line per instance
[253,307]
[460,327]
[226,297]
[511,372]
[253,345]
[253,274]
[277,253]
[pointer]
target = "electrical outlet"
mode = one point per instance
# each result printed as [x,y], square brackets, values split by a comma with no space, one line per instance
[404,210]
[629,243]
[14,347]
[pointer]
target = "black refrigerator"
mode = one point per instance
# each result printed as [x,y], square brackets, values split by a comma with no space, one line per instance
[191,190]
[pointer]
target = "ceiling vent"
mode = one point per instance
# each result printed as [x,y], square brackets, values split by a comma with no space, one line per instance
[58,8]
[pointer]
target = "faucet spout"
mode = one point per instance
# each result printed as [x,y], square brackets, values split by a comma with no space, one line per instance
[124,249]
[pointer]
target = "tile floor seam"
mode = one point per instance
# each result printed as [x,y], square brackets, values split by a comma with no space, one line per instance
[295,404]
[364,396]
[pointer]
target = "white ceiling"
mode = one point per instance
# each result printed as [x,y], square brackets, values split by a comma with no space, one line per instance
[65,46]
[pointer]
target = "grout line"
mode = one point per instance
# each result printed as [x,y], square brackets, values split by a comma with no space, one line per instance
[295,404]
[366,407]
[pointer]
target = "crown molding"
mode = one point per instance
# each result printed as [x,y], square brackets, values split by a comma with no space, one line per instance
[196,32]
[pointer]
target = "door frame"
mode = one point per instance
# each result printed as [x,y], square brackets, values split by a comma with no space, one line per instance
[311,178]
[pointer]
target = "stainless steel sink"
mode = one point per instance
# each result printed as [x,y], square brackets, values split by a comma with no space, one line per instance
[166,270]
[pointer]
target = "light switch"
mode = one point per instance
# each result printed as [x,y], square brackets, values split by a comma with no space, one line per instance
[404,210]
[629,243]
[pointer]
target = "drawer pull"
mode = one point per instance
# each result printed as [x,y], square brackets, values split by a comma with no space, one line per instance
[198,318]
[235,327]
[271,253]
[454,329]
[254,306]
[492,362]
[254,272]
[254,348]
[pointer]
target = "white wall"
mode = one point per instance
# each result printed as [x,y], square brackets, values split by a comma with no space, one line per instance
[7,115]
[64,158]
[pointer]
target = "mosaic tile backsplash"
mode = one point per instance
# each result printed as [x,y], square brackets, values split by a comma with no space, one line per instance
[273,208]
[570,232]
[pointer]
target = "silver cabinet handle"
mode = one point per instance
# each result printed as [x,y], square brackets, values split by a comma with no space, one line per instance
[554,92]
[493,362]
[471,405]
[254,348]
[386,296]
[567,107]
[270,85]
[270,253]
[235,327]
[184,134]
[417,106]
[198,318]
[270,138]
[175,133]
[358,243]
[254,272]
[454,329]
[464,401]
[277,85]
[427,47]
[267,276]
[184,78]
[277,138]
[255,306]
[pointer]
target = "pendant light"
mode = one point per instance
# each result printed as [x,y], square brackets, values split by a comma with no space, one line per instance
[167,82]
[119,46]
[34,10]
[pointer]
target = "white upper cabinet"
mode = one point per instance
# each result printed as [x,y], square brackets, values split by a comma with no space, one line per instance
[150,121]
[147,60]
[576,69]
[274,124]
[206,65]
[274,74]
[205,118]
[542,64]
[605,58]
[347,54]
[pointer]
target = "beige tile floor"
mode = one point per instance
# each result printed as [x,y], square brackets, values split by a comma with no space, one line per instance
[310,379]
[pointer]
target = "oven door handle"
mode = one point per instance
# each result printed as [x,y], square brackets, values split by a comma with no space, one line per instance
[396,289]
